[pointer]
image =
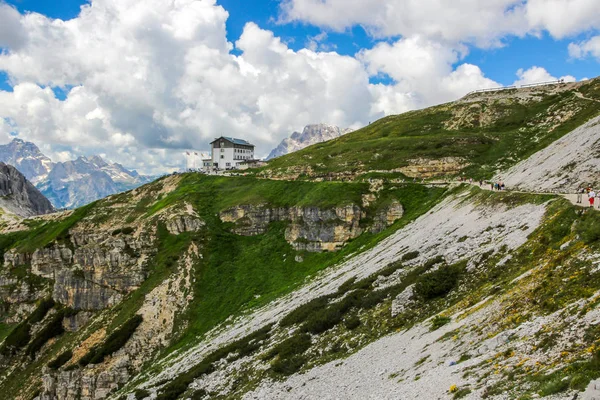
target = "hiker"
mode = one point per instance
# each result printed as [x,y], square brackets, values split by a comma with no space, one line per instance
[491,185]
[580,191]
[592,196]
[502,187]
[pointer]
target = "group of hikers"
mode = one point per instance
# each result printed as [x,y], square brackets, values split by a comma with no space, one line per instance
[591,194]
[497,185]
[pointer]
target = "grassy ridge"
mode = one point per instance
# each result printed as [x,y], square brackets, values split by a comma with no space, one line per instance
[517,131]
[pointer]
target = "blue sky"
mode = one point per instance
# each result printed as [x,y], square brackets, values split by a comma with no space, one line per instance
[140,81]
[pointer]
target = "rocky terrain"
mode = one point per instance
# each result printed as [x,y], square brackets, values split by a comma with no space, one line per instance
[349,281]
[311,134]
[18,196]
[72,183]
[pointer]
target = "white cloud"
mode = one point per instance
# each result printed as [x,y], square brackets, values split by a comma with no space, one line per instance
[538,75]
[424,69]
[562,18]
[12,33]
[585,48]
[473,21]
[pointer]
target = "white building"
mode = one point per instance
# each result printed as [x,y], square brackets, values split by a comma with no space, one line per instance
[228,152]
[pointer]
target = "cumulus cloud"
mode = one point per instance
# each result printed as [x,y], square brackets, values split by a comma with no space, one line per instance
[586,48]
[483,23]
[423,68]
[12,33]
[538,75]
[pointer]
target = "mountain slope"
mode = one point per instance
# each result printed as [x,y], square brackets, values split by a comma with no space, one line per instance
[477,136]
[311,134]
[18,196]
[566,165]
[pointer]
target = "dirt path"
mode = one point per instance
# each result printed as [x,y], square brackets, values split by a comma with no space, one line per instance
[572,197]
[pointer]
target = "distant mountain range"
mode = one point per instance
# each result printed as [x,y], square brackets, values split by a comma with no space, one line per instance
[73,183]
[312,134]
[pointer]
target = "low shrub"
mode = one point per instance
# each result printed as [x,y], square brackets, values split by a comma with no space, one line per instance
[300,314]
[438,283]
[288,366]
[141,394]
[53,329]
[114,342]
[352,322]
[433,261]
[411,255]
[438,321]
[41,310]
[128,230]
[61,360]
[17,339]
[293,346]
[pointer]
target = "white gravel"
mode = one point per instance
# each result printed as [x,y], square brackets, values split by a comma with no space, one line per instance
[436,233]
[561,167]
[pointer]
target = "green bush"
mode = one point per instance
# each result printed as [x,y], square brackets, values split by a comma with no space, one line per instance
[141,394]
[300,314]
[411,255]
[288,366]
[352,322]
[438,283]
[438,321]
[117,231]
[436,260]
[291,347]
[128,230]
[52,329]
[114,342]
[41,310]
[17,339]
[61,360]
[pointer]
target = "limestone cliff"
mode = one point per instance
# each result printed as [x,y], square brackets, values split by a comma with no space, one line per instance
[18,196]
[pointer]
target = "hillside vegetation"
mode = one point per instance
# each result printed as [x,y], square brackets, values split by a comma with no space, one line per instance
[174,229]
[476,136]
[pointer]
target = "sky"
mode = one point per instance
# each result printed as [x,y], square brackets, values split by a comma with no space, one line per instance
[139,82]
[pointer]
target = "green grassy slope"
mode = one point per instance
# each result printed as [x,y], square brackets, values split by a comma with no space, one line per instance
[234,274]
[488,133]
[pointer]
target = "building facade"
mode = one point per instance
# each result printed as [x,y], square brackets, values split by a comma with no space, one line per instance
[228,153]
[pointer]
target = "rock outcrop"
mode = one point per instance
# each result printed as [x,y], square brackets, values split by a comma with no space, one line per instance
[311,228]
[18,196]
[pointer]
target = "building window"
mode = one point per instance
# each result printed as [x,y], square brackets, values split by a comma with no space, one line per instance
[222,156]
[228,164]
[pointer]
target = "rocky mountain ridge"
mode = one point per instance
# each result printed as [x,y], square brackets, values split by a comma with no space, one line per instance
[18,196]
[72,183]
[311,134]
